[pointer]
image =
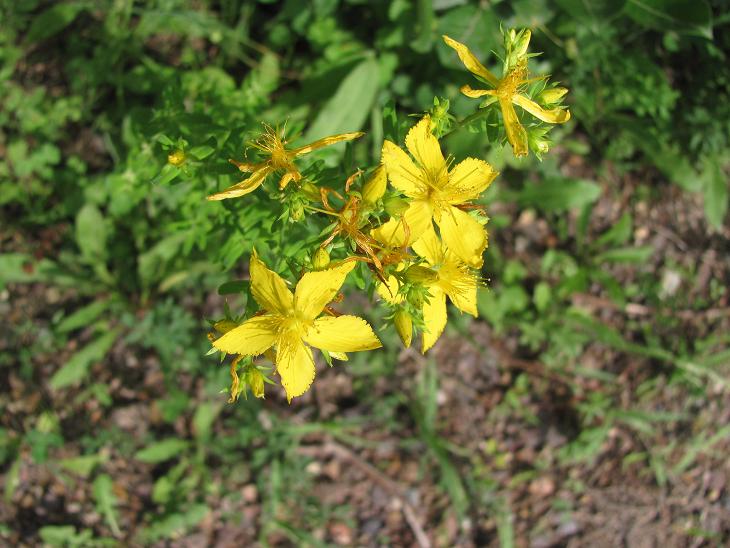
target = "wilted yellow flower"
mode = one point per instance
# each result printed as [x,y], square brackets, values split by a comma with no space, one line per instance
[508,91]
[290,322]
[455,280]
[434,192]
[271,144]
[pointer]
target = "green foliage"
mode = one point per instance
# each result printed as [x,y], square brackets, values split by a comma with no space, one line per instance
[97,98]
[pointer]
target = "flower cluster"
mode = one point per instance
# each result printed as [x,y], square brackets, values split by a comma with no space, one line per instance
[413,221]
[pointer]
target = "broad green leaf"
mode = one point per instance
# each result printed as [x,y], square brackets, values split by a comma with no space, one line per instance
[559,194]
[349,107]
[91,234]
[54,20]
[83,316]
[686,16]
[65,536]
[152,264]
[77,367]
[168,174]
[106,501]
[162,450]
[474,25]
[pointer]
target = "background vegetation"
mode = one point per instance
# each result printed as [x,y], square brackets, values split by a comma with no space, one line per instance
[588,404]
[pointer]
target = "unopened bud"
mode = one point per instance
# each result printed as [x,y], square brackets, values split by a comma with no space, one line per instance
[374,188]
[296,211]
[224,326]
[521,42]
[311,191]
[404,326]
[551,96]
[255,380]
[417,274]
[394,206]
[320,259]
[176,158]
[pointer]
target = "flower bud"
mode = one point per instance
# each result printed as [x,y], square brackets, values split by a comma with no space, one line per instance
[374,188]
[255,380]
[296,211]
[224,326]
[417,274]
[176,158]
[404,326]
[551,96]
[320,259]
[311,191]
[521,42]
[394,206]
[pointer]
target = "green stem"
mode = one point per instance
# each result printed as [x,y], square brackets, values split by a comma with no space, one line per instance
[466,121]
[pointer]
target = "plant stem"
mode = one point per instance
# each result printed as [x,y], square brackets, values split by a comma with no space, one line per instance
[466,121]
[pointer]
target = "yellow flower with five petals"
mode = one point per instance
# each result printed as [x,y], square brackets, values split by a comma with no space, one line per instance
[508,91]
[272,144]
[292,324]
[435,192]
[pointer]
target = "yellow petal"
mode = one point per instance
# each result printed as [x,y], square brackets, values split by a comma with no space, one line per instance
[468,180]
[403,174]
[291,175]
[389,291]
[316,289]
[407,229]
[268,288]
[463,235]
[430,247]
[375,186]
[342,334]
[327,141]
[251,338]
[244,187]
[460,284]
[434,318]
[475,93]
[295,365]
[425,148]
[516,134]
[552,116]
[471,63]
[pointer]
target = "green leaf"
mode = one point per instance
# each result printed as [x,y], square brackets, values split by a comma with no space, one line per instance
[82,465]
[65,536]
[592,10]
[91,234]
[103,490]
[83,316]
[54,20]
[350,106]
[715,193]
[168,174]
[176,525]
[233,287]
[77,367]
[161,451]
[559,194]
[203,419]
[626,255]
[686,16]
[201,152]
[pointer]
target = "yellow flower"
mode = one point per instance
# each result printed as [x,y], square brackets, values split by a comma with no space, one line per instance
[508,91]
[280,158]
[290,322]
[434,192]
[454,279]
